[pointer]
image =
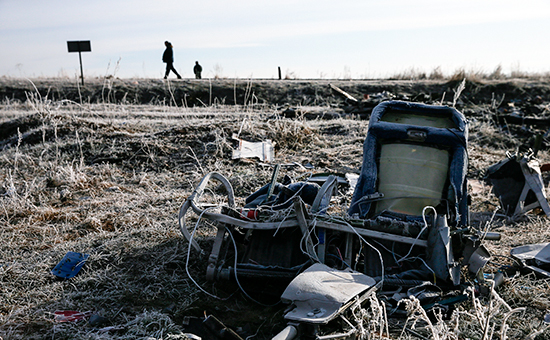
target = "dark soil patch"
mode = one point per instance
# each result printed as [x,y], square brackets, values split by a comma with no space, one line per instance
[190,92]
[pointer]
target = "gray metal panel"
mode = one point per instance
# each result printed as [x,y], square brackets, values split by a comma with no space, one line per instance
[320,291]
[539,252]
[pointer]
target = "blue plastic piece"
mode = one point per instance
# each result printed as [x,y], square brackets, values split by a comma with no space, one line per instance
[70,265]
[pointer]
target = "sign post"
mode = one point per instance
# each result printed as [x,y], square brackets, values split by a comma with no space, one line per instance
[80,46]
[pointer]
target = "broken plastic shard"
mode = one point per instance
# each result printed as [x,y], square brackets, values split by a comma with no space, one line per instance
[70,315]
[70,265]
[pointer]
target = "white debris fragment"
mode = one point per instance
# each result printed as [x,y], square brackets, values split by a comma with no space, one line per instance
[262,150]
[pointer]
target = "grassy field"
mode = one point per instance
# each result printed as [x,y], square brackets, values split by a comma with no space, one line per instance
[107,176]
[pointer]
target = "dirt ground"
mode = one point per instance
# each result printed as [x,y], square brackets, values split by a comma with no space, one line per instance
[103,169]
[279,93]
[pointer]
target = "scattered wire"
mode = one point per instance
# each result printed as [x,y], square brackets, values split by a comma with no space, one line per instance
[357,258]
[189,255]
[516,261]
[402,258]
[421,231]
[488,226]
[236,276]
[272,207]
[341,260]
[282,221]
[257,331]
[425,264]
[370,245]
[304,239]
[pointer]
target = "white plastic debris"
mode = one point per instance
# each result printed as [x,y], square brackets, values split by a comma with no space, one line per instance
[262,150]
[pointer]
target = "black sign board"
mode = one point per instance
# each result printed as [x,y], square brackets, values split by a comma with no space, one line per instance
[80,46]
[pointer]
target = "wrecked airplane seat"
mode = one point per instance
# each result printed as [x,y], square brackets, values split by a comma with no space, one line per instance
[284,227]
[414,155]
[517,182]
[407,224]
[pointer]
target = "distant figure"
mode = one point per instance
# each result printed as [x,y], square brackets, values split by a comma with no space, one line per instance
[197,70]
[168,58]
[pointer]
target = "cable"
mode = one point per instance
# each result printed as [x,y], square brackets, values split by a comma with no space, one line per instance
[402,258]
[271,207]
[487,227]
[370,245]
[284,219]
[516,261]
[308,235]
[358,255]
[236,277]
[410,250]
[344,262]
[392,251]
[421,231]
[189,255]
[421,259]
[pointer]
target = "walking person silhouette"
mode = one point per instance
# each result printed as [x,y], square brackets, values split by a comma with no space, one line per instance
[197,70]
[168,58]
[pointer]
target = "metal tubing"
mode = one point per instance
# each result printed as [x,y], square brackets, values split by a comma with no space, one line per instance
[81,72]
[196,195]
[337,336]
[288,333]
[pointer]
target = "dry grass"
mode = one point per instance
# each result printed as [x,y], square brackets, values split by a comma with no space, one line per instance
[472,75]
[108,180]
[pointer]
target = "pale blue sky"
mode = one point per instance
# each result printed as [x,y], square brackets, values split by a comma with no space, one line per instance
[251,38]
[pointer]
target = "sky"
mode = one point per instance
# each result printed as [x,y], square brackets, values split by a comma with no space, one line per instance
[356,39]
